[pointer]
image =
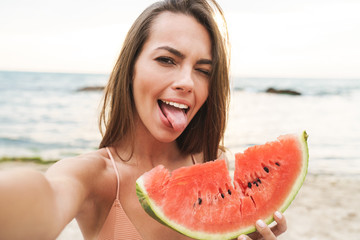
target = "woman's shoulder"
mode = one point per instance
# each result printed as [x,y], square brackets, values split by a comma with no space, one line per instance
[86,169]
[87,161]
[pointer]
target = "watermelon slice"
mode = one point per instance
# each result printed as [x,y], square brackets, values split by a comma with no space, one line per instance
[202,202]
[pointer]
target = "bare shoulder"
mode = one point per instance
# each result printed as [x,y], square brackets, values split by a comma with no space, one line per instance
[85,165]
[78,178]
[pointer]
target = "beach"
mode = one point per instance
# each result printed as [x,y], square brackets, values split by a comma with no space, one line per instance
[47,123]
[326,208]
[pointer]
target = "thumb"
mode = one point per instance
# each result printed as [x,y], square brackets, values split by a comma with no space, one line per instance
[243,237]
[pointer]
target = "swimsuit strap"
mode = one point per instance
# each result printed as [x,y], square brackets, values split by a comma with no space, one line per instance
[193,159]
[116,172]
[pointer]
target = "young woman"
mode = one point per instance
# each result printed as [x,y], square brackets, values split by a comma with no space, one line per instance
[166,103]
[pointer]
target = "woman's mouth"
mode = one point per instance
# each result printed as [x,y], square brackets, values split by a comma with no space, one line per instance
[175,113]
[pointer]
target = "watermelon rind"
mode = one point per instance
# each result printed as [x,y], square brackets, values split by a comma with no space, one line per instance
[154,211]
[300,180]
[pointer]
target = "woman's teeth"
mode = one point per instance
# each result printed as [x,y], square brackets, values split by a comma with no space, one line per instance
[178,105]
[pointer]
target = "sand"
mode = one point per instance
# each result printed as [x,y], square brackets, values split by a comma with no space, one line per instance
[326,208]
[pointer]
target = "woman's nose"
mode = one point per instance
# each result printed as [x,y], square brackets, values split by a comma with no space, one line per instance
[184,82]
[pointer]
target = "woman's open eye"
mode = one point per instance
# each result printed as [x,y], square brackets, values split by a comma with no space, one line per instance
[165,60]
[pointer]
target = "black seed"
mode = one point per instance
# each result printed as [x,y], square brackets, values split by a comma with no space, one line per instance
[249,184]
[256,183]
[229,191]
[200,201]
[266,169]
[222,195]
[278,164]
[259,181]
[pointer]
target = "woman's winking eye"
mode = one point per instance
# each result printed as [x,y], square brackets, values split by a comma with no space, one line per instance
[203,71]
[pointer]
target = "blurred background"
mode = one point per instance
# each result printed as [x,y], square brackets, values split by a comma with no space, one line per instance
[50,50]
[307,51]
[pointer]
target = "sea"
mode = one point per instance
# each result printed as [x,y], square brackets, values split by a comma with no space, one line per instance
[46,115]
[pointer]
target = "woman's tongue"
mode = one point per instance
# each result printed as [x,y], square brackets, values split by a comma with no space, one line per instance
[176,116]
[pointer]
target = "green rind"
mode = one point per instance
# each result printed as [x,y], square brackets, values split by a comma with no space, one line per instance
[145,201]
[300,180]
[155,212]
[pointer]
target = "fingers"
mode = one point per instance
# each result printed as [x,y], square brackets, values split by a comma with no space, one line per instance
[264,230]
[281,224]
[243,237]
[266,233]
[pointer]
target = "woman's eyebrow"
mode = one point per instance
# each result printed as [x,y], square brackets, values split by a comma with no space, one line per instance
[173,51]
[204,61]
[181,55]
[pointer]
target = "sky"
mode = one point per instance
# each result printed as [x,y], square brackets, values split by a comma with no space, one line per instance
[277,38]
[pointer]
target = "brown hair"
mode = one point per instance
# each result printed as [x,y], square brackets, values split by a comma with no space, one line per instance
[206,130]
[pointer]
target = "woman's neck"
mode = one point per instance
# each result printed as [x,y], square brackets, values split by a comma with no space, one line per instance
[147,151]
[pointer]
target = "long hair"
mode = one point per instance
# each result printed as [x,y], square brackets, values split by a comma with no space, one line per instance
[205,132]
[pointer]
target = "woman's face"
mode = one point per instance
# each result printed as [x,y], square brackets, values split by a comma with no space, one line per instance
[171,75]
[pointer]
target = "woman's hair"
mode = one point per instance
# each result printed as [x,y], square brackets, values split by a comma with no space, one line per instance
[206,130]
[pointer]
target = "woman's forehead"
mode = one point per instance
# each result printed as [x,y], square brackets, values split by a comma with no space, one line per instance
[181,32]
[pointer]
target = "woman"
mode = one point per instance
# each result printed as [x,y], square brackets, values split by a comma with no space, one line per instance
[165,103]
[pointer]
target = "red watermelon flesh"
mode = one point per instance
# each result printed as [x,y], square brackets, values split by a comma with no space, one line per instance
[202,202]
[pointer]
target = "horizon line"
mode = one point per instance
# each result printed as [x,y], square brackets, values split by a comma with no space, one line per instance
[232,76]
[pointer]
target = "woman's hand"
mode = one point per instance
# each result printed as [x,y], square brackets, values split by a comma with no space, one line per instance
[265,232]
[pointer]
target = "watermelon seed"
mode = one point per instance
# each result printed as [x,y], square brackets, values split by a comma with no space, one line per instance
[222,195]
[259,181]
[278,164]
[249,184]
[229,191]
[200,201]
[266,169]
[256,183]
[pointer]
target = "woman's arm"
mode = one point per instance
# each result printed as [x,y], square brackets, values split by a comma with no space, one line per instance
[28,206]
[34,205]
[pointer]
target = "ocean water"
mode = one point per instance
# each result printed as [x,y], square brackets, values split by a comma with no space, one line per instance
[44,114]
[328,109]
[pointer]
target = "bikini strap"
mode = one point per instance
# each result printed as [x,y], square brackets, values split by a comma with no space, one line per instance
[116,172]
[193,159]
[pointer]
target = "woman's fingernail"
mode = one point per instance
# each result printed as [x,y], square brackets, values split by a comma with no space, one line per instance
[260,223]
[278,214]
[242,237]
